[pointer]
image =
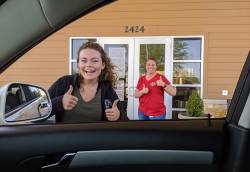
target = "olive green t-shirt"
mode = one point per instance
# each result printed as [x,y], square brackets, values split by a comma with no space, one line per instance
[84,111]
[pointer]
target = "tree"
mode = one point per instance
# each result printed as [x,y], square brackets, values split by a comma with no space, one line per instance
[180,49]
[195,104]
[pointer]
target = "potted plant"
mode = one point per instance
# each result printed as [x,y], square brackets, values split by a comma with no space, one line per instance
[194,107]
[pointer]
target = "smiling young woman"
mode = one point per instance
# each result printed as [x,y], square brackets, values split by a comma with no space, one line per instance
[81,97]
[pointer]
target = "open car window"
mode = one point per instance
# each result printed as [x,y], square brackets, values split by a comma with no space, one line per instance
[198,59]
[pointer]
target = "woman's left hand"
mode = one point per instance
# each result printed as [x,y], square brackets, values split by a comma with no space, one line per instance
[113,114]
[160,83]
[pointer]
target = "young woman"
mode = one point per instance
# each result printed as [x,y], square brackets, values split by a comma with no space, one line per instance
[88,95]
[150,91]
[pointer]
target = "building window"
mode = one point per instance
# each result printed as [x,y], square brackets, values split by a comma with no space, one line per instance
[118,53]
[75,45]
[187,71]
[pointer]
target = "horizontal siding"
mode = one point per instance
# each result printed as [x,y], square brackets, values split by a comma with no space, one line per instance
[224,66]
[228,51]
[49,58]
[225,58]
[167,21]
[41,65]
[175,5]
[225,25]
[217,90]
[31,78]
[226,81]
[229,43]
[50,48]
[218,96]
[230,36]
[169,14]
[34,72]
[225,74]
[229,58]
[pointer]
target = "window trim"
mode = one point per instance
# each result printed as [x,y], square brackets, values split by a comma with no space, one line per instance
[201,61]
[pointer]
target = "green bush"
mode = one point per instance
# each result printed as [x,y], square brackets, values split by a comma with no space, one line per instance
[195,104]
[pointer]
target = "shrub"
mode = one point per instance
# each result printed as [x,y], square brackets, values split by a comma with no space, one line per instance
[195,104]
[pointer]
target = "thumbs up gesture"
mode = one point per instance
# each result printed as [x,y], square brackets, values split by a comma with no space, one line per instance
[69,101]
[113,114]
[160,83]
[144,89]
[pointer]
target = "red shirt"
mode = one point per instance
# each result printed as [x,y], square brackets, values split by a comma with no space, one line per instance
[152,103]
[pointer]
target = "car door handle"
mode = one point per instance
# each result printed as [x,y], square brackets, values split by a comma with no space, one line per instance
[64,161]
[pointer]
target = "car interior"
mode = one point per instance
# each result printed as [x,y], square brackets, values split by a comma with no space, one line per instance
[12,101]
[207,145]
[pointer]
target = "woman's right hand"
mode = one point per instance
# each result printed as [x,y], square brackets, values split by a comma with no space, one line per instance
[139,93]
[69,101]
[144,90]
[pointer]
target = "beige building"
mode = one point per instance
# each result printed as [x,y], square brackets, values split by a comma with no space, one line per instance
[199,44]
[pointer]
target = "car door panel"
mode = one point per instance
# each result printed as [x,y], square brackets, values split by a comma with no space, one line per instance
[47,144]
[237,131]
[237,152]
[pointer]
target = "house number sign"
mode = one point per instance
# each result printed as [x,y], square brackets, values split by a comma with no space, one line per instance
[134,29]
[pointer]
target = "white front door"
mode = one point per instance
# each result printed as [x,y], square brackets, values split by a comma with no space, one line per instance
[121,53]
[129,56]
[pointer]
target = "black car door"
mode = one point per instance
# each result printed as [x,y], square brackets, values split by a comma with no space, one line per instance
[196,145]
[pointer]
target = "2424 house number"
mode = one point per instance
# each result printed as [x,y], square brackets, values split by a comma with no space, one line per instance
[134,29]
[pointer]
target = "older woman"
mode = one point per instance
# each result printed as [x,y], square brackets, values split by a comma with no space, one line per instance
[89,95]
[150,90]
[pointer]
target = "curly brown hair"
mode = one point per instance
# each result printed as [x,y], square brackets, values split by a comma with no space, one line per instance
[107,73]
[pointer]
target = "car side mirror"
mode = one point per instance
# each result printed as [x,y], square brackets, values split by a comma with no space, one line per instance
[23,103]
